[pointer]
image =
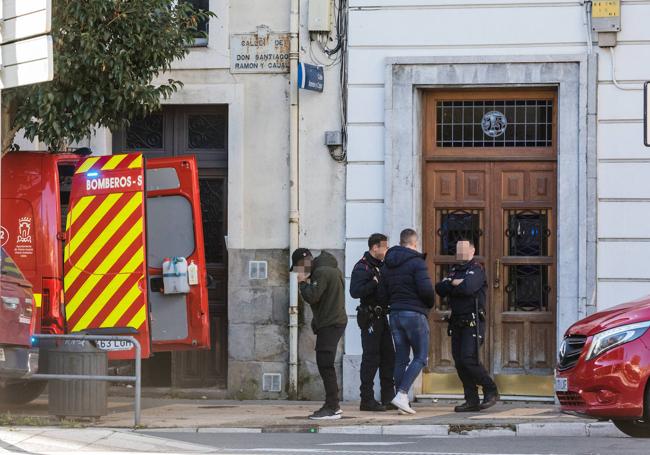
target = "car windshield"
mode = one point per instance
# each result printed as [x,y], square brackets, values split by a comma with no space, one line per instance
[8,267]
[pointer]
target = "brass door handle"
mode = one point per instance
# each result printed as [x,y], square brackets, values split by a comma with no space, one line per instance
[497,277]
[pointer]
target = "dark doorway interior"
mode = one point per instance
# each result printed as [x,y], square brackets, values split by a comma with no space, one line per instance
[201,131]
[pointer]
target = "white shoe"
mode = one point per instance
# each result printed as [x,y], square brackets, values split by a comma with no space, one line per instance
[401,401]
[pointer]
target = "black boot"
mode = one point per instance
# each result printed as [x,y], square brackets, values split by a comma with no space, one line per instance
[489,400]
[467,407]
[390,406]
[372,406]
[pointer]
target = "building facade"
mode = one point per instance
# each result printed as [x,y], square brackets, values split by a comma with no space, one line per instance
[503,120]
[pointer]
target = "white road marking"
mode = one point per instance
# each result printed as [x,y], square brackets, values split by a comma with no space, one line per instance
[366,443]
[375,452]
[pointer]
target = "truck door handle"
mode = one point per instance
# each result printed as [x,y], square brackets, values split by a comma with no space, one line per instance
[497,276]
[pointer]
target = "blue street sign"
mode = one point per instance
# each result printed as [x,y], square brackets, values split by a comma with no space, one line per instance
[311,77]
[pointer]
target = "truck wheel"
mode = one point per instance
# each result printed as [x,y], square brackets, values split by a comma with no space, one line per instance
[21,392]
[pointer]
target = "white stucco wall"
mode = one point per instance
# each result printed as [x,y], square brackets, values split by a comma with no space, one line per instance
[261,211]
[380,29]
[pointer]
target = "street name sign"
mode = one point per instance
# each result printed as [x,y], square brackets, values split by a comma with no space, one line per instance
[261,52]
[311,77]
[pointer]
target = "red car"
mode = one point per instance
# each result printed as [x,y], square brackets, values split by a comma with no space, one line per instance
[18,360]
[604,366]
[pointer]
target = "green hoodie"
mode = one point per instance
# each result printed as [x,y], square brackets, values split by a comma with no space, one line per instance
[325,292]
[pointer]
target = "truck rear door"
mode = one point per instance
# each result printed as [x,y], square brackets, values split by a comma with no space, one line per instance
[104,258]
[175,229]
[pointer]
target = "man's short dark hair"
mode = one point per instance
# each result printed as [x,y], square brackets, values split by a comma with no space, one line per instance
[406,236]
[467,239]
[376,239]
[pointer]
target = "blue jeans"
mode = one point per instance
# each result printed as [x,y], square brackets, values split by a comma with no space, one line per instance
[410,330]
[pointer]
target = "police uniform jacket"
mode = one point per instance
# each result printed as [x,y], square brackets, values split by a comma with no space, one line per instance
[363,285]
[462,297]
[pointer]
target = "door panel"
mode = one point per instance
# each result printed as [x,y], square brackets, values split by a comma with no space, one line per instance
[175,228]
[524,296]
[508,209]
[458,209]
[104,267]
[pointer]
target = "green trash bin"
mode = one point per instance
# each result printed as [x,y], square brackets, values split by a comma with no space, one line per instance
[77,398]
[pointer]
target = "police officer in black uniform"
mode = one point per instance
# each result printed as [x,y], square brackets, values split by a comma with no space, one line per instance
[372,317]
[465,287]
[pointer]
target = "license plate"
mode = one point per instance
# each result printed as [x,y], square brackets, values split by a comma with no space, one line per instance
[114,345]
[2,355]
[561,384]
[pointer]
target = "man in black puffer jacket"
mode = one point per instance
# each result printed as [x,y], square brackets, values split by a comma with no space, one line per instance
[407,288]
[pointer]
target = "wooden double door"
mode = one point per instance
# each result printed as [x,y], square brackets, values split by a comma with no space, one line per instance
[201,131]
[504,198]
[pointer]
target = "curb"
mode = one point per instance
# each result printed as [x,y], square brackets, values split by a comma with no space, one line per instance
[550,429]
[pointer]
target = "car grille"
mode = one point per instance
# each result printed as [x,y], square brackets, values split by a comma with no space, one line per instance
[572,348]
[570,399]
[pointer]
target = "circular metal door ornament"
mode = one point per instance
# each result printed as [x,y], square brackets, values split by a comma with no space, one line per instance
[494,123]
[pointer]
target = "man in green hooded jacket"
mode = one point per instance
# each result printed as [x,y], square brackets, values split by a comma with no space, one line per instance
[322,286]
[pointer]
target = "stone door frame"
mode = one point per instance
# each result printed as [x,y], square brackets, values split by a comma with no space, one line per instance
[575,79]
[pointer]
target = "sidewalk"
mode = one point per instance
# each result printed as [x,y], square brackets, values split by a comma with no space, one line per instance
[438,419]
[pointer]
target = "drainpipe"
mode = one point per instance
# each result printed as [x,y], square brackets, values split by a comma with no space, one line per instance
[294,214]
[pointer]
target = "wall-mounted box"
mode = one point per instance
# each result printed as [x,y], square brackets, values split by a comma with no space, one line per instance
[606,16]
[320,15]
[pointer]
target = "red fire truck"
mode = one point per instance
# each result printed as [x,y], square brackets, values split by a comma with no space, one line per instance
[93,234]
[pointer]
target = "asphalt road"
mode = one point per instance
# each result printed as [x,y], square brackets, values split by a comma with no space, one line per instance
[301,444]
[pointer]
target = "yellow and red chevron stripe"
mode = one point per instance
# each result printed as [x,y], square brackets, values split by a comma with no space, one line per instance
[110,162]
[105,270]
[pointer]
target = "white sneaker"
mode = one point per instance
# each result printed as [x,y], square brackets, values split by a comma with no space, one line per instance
[401,401]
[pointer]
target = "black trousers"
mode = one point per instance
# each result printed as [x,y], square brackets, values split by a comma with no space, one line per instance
[327,341]
[468,365]
[378,354]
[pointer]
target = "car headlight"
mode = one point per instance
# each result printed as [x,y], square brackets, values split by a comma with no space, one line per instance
[617,336]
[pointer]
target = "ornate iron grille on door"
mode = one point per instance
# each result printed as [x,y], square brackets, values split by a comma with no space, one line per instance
[456,225]
[146,133]
[527,287]
[527,233]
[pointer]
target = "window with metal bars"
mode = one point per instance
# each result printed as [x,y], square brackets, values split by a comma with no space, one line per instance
[494,123]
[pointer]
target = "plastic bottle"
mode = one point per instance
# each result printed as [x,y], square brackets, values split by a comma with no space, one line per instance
[193,274]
